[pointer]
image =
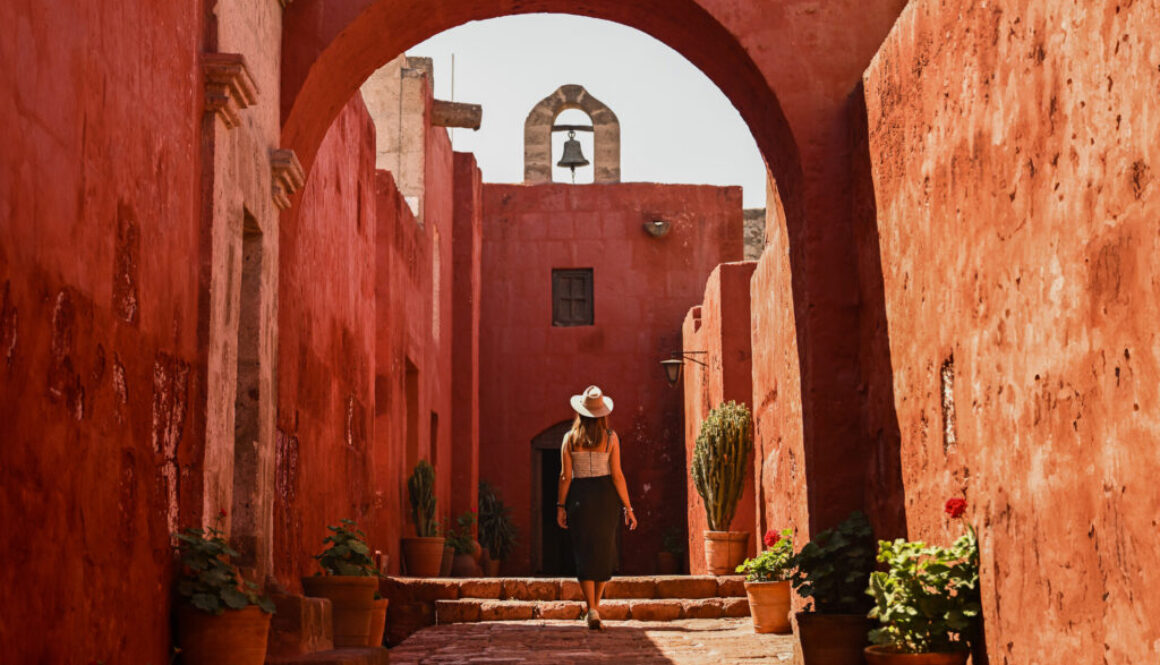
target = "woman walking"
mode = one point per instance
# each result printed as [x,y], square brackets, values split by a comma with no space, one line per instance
[592,495]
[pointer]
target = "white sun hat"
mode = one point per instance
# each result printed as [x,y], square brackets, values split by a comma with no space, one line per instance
[593,403]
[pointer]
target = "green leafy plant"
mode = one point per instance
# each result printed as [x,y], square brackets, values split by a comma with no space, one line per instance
[774,563]
[348,553]
[421,488]
[928,601]
[459,538]
[497,532]
[208,581]
[721,461]
[834,568]
[674,541]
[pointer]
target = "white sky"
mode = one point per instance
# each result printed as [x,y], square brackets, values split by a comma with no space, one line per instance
[675,125]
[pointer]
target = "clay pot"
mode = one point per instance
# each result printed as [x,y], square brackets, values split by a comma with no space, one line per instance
[667,564]
[725,550]
[491,569]
[234,637]
[832,639]
[884,655]
[476,550]
[445,564]
[378,623]
[463,565]
[769,606]
[423,556]
[352,601]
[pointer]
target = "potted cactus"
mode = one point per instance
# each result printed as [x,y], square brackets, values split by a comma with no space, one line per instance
[423,554]
[350,580]
[720,466]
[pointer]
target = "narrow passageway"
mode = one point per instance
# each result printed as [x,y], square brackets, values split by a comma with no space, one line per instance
[684,642]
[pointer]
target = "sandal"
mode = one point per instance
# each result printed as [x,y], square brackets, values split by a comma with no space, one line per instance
[594,620]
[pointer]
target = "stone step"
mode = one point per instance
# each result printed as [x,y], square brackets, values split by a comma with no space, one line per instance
[468,610]
[344,656]
[540,588]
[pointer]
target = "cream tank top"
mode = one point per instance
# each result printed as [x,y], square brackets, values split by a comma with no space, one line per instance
[590,464]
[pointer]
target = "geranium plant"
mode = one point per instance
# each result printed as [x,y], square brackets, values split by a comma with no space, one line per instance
[348,553]
[833,569]
[928,601]
[775,562]
[208,581]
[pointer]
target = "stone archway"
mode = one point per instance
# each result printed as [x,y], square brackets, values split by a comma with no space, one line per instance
[538,135]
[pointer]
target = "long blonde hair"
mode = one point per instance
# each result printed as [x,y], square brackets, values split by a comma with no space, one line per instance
[588,432]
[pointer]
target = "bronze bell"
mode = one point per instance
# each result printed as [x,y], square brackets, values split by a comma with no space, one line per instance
[572,156]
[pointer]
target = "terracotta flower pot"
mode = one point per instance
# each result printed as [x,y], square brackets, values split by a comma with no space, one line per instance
[234,637]
[832,639]
[884,655]
[352,601]
[476,550]
[378,623]
[667,563]
[423,556]
[492,567]
[463,565]
[725,550]
[445,564]
[769,606]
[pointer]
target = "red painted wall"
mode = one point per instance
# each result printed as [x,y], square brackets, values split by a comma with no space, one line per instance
[642,288]
[467,245]
[326,442]
[719,326]
[1014,167]
[99,351]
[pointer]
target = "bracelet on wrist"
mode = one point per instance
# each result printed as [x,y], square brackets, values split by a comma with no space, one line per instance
[560,505]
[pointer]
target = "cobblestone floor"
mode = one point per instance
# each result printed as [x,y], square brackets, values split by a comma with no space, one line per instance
[686,642]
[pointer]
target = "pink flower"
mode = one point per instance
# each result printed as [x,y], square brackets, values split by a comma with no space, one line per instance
[956,507]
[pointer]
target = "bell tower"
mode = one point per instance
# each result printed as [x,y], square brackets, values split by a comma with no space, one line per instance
[540,124]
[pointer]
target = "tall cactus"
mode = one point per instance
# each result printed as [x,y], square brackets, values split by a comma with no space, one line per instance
[721,461]
[421,486]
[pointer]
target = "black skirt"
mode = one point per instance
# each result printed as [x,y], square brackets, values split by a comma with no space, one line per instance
[594,523]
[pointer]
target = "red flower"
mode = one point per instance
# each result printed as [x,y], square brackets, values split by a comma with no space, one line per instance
[956,507]
[771,538]
[222,513]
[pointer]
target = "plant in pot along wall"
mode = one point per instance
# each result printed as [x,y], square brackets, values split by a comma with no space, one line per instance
[461,540]
[497,532]
[424,553]
[221,620]
[928,600]
[767,583]
[672,552]
[832,571]
[720,466]
[351,582]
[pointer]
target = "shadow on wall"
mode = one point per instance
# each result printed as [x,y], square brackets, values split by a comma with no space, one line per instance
[885,499]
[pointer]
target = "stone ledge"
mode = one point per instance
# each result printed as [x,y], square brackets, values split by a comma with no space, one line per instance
[229,86]
[286,175]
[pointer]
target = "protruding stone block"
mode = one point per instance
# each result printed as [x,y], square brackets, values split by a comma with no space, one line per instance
[500,610]
[631,587]
[731,586]
[703,608]
[456,611]
[655,610]
[456,114]
[300,625]
[559,609]
[482,588]
[229,86]
[614,610]
[570,590]
[287,176]
[529,589]
[736,607]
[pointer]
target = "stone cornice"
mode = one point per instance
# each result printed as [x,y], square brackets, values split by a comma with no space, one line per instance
[229,86]
[287,176]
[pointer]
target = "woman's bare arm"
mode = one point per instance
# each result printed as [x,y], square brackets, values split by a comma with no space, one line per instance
[618,481]
[565,483]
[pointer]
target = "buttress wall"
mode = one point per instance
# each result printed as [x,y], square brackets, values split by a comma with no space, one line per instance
[1014,149]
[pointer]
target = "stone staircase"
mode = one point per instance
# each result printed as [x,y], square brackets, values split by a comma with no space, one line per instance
[417,603]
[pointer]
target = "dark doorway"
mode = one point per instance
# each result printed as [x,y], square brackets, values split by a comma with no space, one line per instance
[556,543]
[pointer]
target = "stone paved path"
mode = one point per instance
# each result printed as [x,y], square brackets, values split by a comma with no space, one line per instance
[685,642]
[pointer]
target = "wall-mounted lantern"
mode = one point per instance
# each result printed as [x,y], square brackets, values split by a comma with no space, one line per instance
[673,365]
[657,228]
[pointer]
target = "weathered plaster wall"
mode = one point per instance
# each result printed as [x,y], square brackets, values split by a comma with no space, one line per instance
[326,437]
[467,245]
[99,251]
[1014,148]
[642,288]
[719,326]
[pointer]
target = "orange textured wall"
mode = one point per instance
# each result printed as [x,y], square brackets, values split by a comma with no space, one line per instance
[100,376]
[719,327]
[1013,157]
[642,288]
